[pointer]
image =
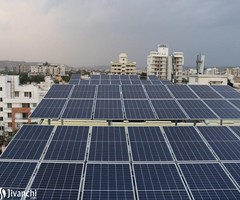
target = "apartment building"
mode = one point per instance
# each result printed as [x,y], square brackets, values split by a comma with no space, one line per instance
[123,66]
[17,102]
[164,65]
[48,70]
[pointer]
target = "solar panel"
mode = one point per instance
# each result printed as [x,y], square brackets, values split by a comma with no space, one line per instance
[95,77]
[236,129]
[226,91]
[138,109]
[108,181]
[73,81]
[148,144]
[187,144]
[75,76]
[125,82]
[49,108]
[105,81]
[94,82]
[114,77]
[133,77]
[153,77]
[124,77]
[68,143]
[157,92]
[235,103]
[204,91]
[108,92]
[133,92]
[146,82]
[168,109]
[29,143]
[104,76]
[234,169]
[154,181]
[15,174]
[196,109]
[115,82]
[166,82]
[157,82]
[52,178]
[108,144]
[78,109]
[208,180]
[84,82]
[136,82]
[108,109]
[58,91]
[181,92]
[83,91]
[223,109]
[224,143]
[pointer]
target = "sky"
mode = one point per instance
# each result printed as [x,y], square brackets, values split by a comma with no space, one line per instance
[94,32]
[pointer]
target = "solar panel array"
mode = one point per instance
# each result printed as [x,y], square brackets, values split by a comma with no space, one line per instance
[125,162]
[138,102]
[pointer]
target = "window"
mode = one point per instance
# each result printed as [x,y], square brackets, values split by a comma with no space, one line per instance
[34,105]
[9,124]
[25,115]
[28,94]
[1,118]
[16,94]
[0,88]
[9,115]
[26,105]
[1,99]
[1,108]
[9,105]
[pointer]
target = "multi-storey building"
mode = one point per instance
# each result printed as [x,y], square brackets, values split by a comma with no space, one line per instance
[165,66]
[17,101]
[48,70]
[123,66]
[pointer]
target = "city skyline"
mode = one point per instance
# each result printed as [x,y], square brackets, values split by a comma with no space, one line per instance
[83,33]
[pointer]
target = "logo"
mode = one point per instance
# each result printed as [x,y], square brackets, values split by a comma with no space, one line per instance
[3,193]
[9,193]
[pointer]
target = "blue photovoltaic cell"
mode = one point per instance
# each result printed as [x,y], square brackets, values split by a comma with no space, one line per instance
[83,91]
[15,174]
[235,103]
[94,82]
[187,144]
[108,181]
[115,82]
[181,92]
[223,109]
[27,146]
[157,92]
[108,109]
[145,134]
[105,81]
[68,143]
[234,169]
[205,91]
[196,109]
[226,91]
[57,194]
[84,82]
[236,129]
[108,92]
[154,181]
[125,82]
[166,82]
[49,108]
[34,132]
[133,77]
[146,82]
[78,109]
[95,77]
[135,82]
[74,81]
[138,109]
[104,76]
[108,144]
[75,76]
[58,176]
[153,77]
[59,91]
[209,180]
[124,77]
[168,109]
[114,77]
[157,82]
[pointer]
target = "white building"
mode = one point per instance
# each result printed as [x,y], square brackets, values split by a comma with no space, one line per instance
[208,79]
[17,101]
[48,70]
[165,66]
[200,63]
[123,66]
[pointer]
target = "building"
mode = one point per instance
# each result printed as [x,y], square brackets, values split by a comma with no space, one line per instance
[46,69]
[165,66]
[200,63]
[208,79]
[17,102]
[123,66]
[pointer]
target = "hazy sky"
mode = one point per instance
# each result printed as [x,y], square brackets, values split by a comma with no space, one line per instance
[94,32]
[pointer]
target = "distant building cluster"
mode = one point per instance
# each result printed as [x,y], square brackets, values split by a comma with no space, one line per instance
[164,65]
[46,69]
[123,66]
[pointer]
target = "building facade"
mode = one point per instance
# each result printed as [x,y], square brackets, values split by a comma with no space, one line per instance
[123,66]
[165,66]
[17,102]
[48,70]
